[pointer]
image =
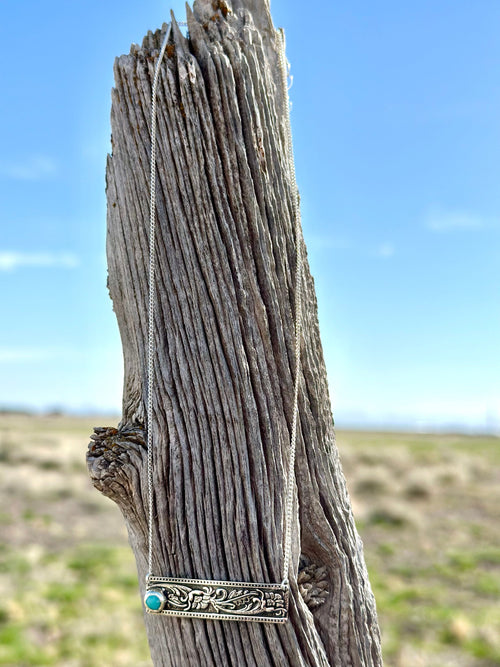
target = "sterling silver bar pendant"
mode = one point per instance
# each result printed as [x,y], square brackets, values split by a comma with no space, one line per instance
[218,600]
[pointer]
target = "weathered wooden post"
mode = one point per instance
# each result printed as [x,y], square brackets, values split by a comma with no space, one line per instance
[224,373]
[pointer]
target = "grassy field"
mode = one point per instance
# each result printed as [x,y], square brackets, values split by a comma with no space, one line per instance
[427,507]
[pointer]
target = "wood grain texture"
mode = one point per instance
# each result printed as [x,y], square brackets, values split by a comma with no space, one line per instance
[224,339]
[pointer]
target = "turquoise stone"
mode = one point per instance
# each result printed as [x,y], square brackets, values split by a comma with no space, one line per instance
[153,601]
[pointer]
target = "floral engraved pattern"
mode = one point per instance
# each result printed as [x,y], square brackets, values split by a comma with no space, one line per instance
[224,598]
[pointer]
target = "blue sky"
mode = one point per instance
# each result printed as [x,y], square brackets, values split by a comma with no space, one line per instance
[396,110]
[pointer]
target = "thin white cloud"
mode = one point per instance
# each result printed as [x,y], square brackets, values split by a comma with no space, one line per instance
[33,168]
[15,260]
[22,355]
[441,221]
[385,250]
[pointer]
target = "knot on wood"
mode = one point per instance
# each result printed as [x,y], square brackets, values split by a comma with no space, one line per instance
[109,454]
[313,583]
[109,439]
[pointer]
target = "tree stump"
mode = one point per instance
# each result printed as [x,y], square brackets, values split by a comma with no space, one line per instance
[224,367]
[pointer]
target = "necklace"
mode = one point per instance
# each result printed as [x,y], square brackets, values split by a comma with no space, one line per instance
[202,598]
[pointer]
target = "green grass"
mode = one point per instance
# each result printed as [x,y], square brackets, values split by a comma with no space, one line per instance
[432,543]
[68,585]
[427,508]
[79,605]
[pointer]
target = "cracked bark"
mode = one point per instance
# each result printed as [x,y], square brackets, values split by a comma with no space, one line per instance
[224,365]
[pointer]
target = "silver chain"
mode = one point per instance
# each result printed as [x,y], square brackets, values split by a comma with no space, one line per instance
[287,548]
[152,301]
[152,306]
